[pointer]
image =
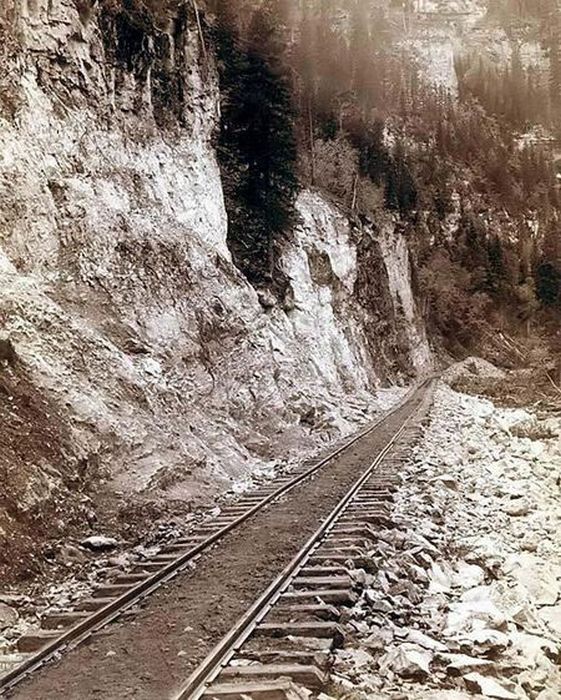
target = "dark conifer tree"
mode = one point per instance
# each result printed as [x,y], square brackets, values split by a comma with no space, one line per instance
[257,145]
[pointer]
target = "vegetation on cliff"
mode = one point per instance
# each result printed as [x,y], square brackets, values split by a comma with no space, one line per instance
[479,201]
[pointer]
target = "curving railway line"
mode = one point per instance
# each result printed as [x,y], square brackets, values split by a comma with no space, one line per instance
[346,499]
[264,652]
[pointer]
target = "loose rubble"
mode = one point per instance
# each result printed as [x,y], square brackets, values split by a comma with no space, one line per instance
[464,592]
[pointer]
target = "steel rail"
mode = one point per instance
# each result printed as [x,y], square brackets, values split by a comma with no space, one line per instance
[81,631]
[210,668]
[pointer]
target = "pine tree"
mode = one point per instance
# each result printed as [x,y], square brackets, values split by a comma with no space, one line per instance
[257,145]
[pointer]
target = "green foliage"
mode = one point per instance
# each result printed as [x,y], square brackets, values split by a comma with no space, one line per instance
[548,284]
[455,310]
[401,189]
[509,92]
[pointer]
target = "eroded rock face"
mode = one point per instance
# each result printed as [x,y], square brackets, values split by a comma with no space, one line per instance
[162,370]
[439,32]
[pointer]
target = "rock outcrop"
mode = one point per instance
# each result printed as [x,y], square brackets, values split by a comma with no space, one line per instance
[155,368]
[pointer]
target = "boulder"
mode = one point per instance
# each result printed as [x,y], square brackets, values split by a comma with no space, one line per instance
[516,507]
[8,616]
[488,687]
[99,543]
[407,660]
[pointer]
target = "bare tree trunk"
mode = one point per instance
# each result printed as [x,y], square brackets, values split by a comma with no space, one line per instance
[200,28]
[355,192]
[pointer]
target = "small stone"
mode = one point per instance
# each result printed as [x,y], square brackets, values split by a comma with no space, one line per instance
[407,660]
[529,543]
[488,640]
[423,640]
[99,543]
[517,507]
[488,687]
[357,658]
[379,639]
[70,554]
[266,298]
[441,577]
[375,603]
[8,616]
[458,664]
[448,480]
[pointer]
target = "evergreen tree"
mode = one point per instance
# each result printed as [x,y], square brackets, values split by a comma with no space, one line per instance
[257,145]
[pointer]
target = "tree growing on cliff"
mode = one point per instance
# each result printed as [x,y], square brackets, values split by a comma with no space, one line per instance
[257,144]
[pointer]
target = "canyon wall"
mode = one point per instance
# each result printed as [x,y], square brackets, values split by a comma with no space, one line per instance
[140,370]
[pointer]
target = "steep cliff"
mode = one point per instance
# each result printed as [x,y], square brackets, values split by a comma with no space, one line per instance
[491,34]
[140,369]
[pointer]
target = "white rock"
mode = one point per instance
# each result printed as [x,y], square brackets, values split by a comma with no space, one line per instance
[449,480]
[530,647]
[472,367]
[440,577]
[407,660]
[487,639]
[462,663]
[476,609]
[552,617]
[423,640]
[8,616]
[530,542]
[360,576]
[516,507]
[357,658]
[99,542]
[537,579]
[548,695]
[379,639]
[488,687]
[469,575]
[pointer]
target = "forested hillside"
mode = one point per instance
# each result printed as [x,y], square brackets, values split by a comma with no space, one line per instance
[323,94]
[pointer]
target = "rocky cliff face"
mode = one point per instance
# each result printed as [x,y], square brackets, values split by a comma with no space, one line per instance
[139,365]
[437,31]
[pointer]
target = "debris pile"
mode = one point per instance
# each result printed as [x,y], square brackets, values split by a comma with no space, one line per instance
[463,596]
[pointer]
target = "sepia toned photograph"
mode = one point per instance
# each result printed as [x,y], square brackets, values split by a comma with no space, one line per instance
[280,349]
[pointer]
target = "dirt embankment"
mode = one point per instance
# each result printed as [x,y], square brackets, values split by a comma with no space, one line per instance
[33,435]
[534,383]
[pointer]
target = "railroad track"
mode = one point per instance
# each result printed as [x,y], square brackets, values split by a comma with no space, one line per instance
[272,645]
[64,631]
